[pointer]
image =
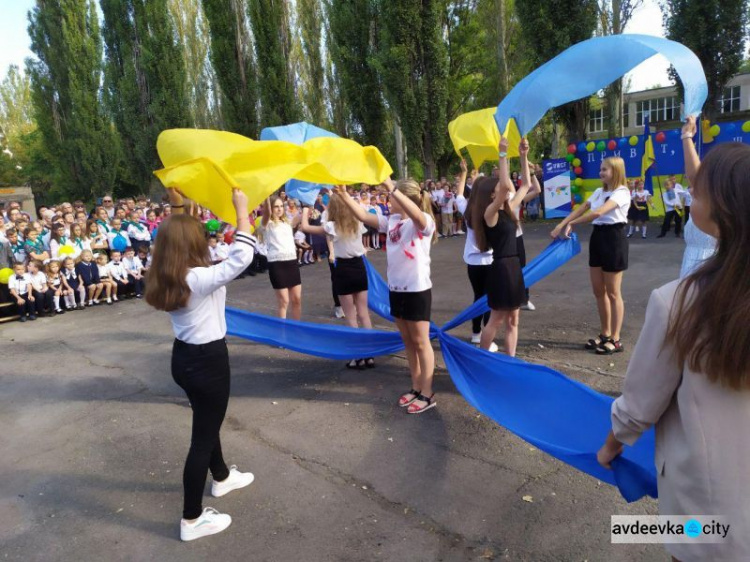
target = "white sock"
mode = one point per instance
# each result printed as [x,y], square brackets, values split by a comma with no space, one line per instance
[68,299]
[630,230]
[56,300]
[637,228]
[644,230]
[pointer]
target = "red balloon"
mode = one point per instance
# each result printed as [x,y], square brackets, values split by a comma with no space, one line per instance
[578,170]
[571,149]
[229,236]
[611,145]
[660,137]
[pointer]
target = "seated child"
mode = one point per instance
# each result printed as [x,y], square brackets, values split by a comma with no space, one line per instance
[20,289]
[119,275]
[39,287]
[134,269]
[75,283]
[110,287]
[89,273]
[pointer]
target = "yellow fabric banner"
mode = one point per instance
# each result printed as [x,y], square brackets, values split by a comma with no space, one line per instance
[206,164]
[477,132]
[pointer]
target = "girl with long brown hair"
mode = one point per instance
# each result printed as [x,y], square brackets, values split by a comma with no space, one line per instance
[349,271]
[607,209]
[690,371]
[411,231]
[183,282]
[493,212]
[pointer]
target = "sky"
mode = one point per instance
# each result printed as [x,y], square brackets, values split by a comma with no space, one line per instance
[14,40]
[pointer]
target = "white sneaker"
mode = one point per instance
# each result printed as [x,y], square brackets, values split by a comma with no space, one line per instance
[493,347]
[210,522]
[528,306]
[234,481]
[476,338]
[338,312]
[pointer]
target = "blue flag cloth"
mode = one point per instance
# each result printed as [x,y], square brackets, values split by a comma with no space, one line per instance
[298,133]
[587,67]
[558,415]
[553,256]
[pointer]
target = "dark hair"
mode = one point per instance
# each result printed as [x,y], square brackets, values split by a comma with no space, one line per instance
[479,200]
[708,323]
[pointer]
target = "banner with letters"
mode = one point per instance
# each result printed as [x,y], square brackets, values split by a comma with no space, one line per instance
[557,202]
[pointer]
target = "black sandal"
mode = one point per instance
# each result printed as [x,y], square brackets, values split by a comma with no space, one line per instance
[429,403]
[415,393]
[596,342]
[370,362]
[609,347]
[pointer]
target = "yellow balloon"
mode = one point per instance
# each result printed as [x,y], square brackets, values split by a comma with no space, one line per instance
[66,250]
[5,274]
[206,164]
[477,132]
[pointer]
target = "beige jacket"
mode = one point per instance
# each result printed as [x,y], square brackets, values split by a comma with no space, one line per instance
[702,435]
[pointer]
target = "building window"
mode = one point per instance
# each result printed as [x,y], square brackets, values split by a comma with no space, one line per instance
[596,120]
[626,114]
[659,109]
[729,101]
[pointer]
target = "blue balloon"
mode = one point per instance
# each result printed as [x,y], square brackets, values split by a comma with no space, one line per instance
[581,147]
[298,133]
[623,142]
[577,198]
[119,243]
[596,63]
[572,175]
[153,234]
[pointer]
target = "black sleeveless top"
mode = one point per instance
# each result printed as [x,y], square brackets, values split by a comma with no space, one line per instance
[502,237]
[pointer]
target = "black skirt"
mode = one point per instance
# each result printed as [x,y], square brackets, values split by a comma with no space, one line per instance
[349,276]
[608,248]
[631,213]
[415,307]
[284,274]
[640,215]
[506,289]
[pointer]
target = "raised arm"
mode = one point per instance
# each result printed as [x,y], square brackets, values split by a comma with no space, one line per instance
[490,214]
[535,189]
[363,216]
[461,180]
[266,211]
[305,225]
[176,202]
[692,161]
[410,208]
[520,197]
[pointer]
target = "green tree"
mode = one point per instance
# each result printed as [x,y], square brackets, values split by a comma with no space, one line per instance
[144,82]
[551,26]
[270,23]
[16,121]
[716,31]
[232,61]
[78,140]
[200,81]
[413,64]
[309,15]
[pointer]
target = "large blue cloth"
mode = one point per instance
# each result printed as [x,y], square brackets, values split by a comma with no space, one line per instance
[587,67]
[560,416]
[298,133]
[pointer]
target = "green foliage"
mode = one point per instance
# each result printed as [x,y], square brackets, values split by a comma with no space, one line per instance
[270,23]
[144,82]
[716,31]
[78,140]
[309,12]
[232,61]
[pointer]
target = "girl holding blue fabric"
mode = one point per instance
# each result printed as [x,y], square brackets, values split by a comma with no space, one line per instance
[690,371]
[410,233]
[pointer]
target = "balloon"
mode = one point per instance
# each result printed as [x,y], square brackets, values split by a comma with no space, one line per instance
[715,130]
[596,63]
[578,182]
[66,250]
[575,207]
[213,225]
[577,198]
[5,274]
[633,140]
[623,141]
[576,162]
[746,127]
[612,145]
[574,188]
[582,146]
[569,158]
[153,234]
[600,146]
[578,170]
[660,136]
[119,243]
[591,146]
[229,236]
[571,149]
[572,175]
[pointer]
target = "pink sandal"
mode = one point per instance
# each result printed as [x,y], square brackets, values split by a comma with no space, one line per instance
[429,403]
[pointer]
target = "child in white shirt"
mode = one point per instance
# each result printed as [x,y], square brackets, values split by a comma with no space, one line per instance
[134,270]
[110,287]
[20,289]
[39,287]
[118,274]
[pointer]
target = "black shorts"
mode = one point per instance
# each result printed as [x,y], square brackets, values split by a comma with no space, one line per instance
[415,307]
[608,248]
[349,276]
[284,274]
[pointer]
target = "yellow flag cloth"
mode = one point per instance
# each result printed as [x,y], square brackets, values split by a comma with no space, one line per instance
[206,164]
[477,132]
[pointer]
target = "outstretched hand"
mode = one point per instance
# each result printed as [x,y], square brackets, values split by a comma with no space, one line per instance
[239,199]
[503,146]
[689,128]
[463,166]
[523,147]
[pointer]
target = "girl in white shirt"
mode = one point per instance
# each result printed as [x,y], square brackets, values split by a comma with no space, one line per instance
[349,271]
[183,282]
[608,250]
[411,232]
[638,213]
[96,240]
[283,267]
[110,286]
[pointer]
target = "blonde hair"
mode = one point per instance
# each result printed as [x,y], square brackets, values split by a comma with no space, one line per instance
[411,189]
[617,165]
[347,225]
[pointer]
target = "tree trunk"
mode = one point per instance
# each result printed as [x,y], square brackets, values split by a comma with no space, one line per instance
[400,150]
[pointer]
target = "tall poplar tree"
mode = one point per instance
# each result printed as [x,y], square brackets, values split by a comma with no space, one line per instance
[232,61]
[309,16]
[144,81]
[65,85]
[270,24]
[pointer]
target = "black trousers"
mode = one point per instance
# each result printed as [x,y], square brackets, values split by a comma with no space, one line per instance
[522,258]
[31,307]
[478,278]
[687,213]
[138,284]
[202,371]
[666,226]
[333,286]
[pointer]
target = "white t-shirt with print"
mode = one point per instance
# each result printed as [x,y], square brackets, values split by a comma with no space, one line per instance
[408,252]
[620,195]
